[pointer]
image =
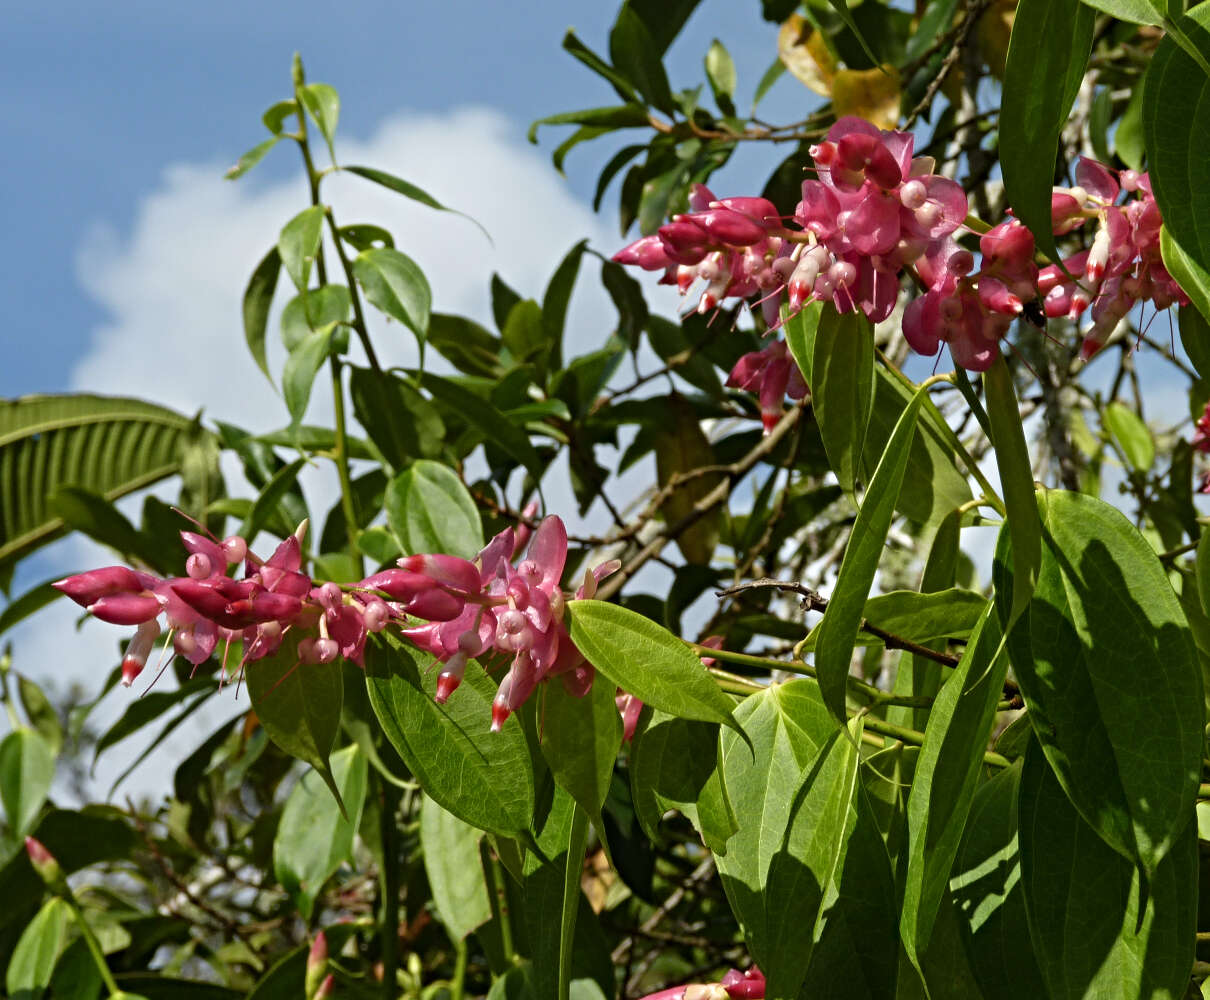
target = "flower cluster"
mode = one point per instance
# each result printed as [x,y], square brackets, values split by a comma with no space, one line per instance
[875,211]
[454,608]
[735,985]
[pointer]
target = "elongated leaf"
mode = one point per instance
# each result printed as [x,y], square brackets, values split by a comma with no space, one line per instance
[313,310]
[410,190]
[919,617]
[720,71]
[299,243]
[787,725]
[108,445]
[946,774]
[580,741]
[555,301]
[636,57]
[1096,930]
[842,389]
[250,159]
[323,103]
[1047,53]
[1136,11]
[805,872]
[486,419]
[147,709]
[484,778]
[838,630]
[454,869]
[1017,481]
[33,600]
[399,420]
[624,88]
[429,510]
[276,490]
[1191,275]
[1131,435]
[313,837]
[639,656]
[619,116]
[1103,654]
[986,887]
[41,713]
[298,704]
[258,297]
[301,368]
[801,331]
[27,766]
[33,960]
[397,286]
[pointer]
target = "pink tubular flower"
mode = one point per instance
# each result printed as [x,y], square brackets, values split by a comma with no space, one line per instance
[771,373]
[735,985]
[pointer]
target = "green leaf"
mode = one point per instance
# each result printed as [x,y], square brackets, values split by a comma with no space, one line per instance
[493,425]
[94,516]
[275,491]
[299,243]
[524,336]
[674,765]
[580,741]
[618,116]
[636,57]
[1195,337]
[1099,929]
[801,331]
[275,116]
[787,726]
[313,310]
[986,888]
[454,869]
[250,159]
[921,618]
[774,73]
[838,630]
[555,301]
[107,445]
[33,960]
[145,710]
[409,190]
[670,342]
[1047,53]
[399,420]
[1017,482]
[484,778]
[297,703]
[1128,136]
[947,771]
[323,103]
[1203,571]
[1191,275]
[301,368]
[842,389]
[430,510]
[842,8]
[27,767]
[650,662]
[1104,653]
[32,601]
[624,88]
[807,868]
[681,448]
[1131,436]
[1134,11]
[396,285]
[40,712]
[313,838]
[466,345]
[720,71]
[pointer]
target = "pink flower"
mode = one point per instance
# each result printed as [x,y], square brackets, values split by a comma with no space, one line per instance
[771,373]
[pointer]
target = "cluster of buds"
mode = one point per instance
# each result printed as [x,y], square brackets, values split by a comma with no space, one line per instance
[735,985]
[875,211]
[465,608]
[1122,266]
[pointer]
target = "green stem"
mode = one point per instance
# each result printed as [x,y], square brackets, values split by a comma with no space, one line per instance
[359,319]
[498,894]
[458,983]
[341,458]
[911,736]
[94,946]
[388,880]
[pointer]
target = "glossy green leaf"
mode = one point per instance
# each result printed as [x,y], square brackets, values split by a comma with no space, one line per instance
[250,159]
[1203,571]
[555,301]
[40,712]
[430,510]
[1195,337]
[313,837]
[409,190]
[484,778]
[842,389]
[493,425]
[83,511]
[776,70]
[921,618]
[454,869]
[787,726]
[580,741]
[107,445]
[807,868]
[1128,136]
[275,116]
[1047,54]
[624,88]
[837,633]
[313,310]
[299,243]
[647,660]
[27,767]
[1131,436]
[619,116]
[275,491]
[674,765]
[1098,929]
[801,331]
[1135,11]
[297,703]
[635,56]
[986,888]
[396,285]
[300,370]
[399,420]
[1017,483]
[466,345]
[947,772]
[323,104]
[720,71]
[1192,276]
[842,8]
[1103,654]
[33,960]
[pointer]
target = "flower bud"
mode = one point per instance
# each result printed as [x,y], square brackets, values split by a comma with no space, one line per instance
[45,865]
[125,609]
[87,588]
[317,966]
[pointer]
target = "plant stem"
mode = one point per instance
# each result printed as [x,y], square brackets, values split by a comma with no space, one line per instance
[341,458]
[94,946]
[458,983]
[389,889]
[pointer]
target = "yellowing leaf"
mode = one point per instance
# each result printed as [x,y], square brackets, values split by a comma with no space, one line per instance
[872,94]
[806,55]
